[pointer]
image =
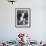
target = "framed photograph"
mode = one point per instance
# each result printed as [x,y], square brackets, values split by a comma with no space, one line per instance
[22,17]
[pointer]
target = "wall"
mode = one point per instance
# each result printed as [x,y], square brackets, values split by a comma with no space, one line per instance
[8,31]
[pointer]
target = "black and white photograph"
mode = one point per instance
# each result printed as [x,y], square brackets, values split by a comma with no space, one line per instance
[22,17]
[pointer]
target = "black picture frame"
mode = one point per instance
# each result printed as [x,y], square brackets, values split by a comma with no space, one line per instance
[22,17]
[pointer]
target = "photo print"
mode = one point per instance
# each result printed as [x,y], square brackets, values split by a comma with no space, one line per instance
[22,16]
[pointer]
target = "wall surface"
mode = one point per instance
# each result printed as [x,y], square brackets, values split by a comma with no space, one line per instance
[37,31]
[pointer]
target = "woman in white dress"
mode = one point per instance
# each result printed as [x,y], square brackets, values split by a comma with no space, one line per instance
[22,19]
